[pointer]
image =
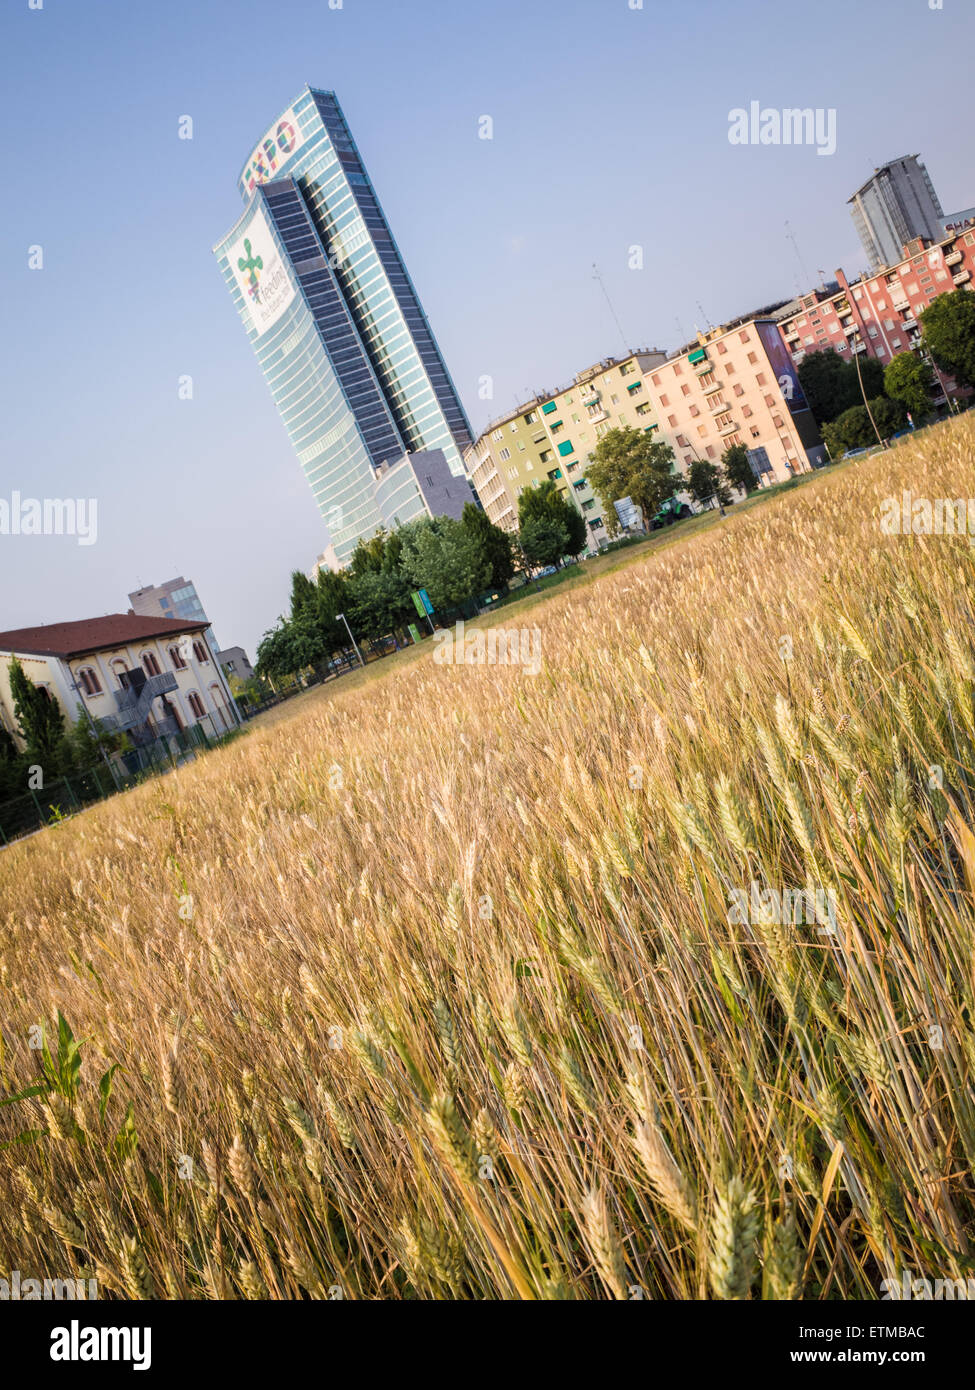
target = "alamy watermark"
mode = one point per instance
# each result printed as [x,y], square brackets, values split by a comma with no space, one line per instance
[16,1289]
[908,515]
[793,125]
[814,906]
[908,1287]
[498,646]
[50,516]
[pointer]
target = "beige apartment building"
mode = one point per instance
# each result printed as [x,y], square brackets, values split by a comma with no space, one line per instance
[552,436]
[147,677]
[736,385]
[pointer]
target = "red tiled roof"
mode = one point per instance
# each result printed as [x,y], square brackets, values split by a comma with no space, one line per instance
[92,634]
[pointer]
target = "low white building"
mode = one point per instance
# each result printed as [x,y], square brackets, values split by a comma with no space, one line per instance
[149,677]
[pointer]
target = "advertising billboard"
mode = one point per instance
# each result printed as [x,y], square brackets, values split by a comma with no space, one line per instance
[260,272]
[272,153]
[780,359]
[957,222]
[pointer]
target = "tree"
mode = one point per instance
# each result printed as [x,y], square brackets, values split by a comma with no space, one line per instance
[277,652]
[705,482]
[546,503]
[38,716]
[368,555]
[378,603]
[831,384]
[494,543]
[737,468]
[909,379]
[948,328]
[543,541]
[440,556]
[630,463]
[853,429]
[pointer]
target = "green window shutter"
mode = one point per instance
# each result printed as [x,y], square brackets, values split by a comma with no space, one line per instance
[566,448]
[548,408]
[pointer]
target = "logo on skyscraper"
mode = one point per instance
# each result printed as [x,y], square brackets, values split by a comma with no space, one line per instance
[252,266]
[277,147]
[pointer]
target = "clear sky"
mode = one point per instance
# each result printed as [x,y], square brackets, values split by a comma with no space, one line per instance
[610,131]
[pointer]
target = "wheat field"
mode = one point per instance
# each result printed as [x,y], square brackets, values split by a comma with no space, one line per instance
[430,989]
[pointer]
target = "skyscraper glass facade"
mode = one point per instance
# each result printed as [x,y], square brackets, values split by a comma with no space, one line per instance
[334,318]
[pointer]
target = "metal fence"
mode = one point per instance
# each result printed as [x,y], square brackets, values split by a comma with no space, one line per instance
[65,795]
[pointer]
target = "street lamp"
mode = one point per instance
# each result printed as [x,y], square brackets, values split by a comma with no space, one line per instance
[857,344]
[351,638]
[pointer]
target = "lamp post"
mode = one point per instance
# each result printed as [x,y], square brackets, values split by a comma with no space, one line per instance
[857,344]
[351,638]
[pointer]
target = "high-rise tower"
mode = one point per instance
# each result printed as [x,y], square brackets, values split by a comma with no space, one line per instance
[339,330]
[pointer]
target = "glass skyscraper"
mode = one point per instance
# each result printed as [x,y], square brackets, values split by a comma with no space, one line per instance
[336,323]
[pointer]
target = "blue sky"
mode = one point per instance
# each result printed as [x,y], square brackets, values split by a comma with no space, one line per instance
[610,130]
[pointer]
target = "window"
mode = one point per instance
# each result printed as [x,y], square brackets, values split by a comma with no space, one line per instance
[497,436]
[743,336]
[656,378]
[739,389]
[504,455]
[196,704]
[746,410]
[635,388]
[671,420]
[626,369]
[556,426]
[685,389]
[614,400]
[544,456]
[663,400]
[752,357]
[566,448]
[702,430]
[531,417]
[730,368]
[176,658]
[554,473]
[722,349]
[761,379]
[710,451]
[695,411]
[151,665]
[200,652]
[549,408]
[89,682]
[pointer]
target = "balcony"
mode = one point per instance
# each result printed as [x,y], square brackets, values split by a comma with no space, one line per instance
[596,415]
[727,429]
[849,329]
[134,703]
[717,407]
[901,304]
[697,357]
[954,258]
[589,398]
[790,334]
[962,277]
[909,322]
[714,386]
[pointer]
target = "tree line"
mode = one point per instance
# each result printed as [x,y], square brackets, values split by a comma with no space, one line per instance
[457,563]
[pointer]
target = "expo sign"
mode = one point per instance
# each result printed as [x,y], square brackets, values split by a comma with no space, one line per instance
[273,152]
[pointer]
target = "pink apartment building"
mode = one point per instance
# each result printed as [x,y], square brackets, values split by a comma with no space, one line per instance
[879,314]
[737,385]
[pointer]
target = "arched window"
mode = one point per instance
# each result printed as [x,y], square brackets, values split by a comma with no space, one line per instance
[176,657]
[89,682]
[196,704]
[120,672]
[200,652]
[151,664]
[216,695]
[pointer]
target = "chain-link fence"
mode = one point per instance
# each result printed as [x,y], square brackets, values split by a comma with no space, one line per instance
[63,796]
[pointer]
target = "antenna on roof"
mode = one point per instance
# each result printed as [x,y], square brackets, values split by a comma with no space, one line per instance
[795,247]
[596,276]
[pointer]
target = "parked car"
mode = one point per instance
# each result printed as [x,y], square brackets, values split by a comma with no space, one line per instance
[549,569]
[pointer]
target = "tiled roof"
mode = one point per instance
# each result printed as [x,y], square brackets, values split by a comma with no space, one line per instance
[92,634]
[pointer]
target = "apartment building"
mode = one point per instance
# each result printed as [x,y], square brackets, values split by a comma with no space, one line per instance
[147,677]
[879,314]
[552,436]
[736,385]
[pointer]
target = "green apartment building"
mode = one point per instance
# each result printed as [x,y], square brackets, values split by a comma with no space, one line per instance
[552,437]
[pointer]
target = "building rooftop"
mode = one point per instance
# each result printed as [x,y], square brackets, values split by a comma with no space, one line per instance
[92,634]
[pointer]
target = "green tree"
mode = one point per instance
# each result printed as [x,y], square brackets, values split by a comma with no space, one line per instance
[546,503]
[853,429]
[706,483]
[368,555]
[630,463]
[831,384]
[948,328]
[440,556]
[909,379]
[39,718]
[494,543]
[278,655]
[543,540]
[378,604]
[737,468]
